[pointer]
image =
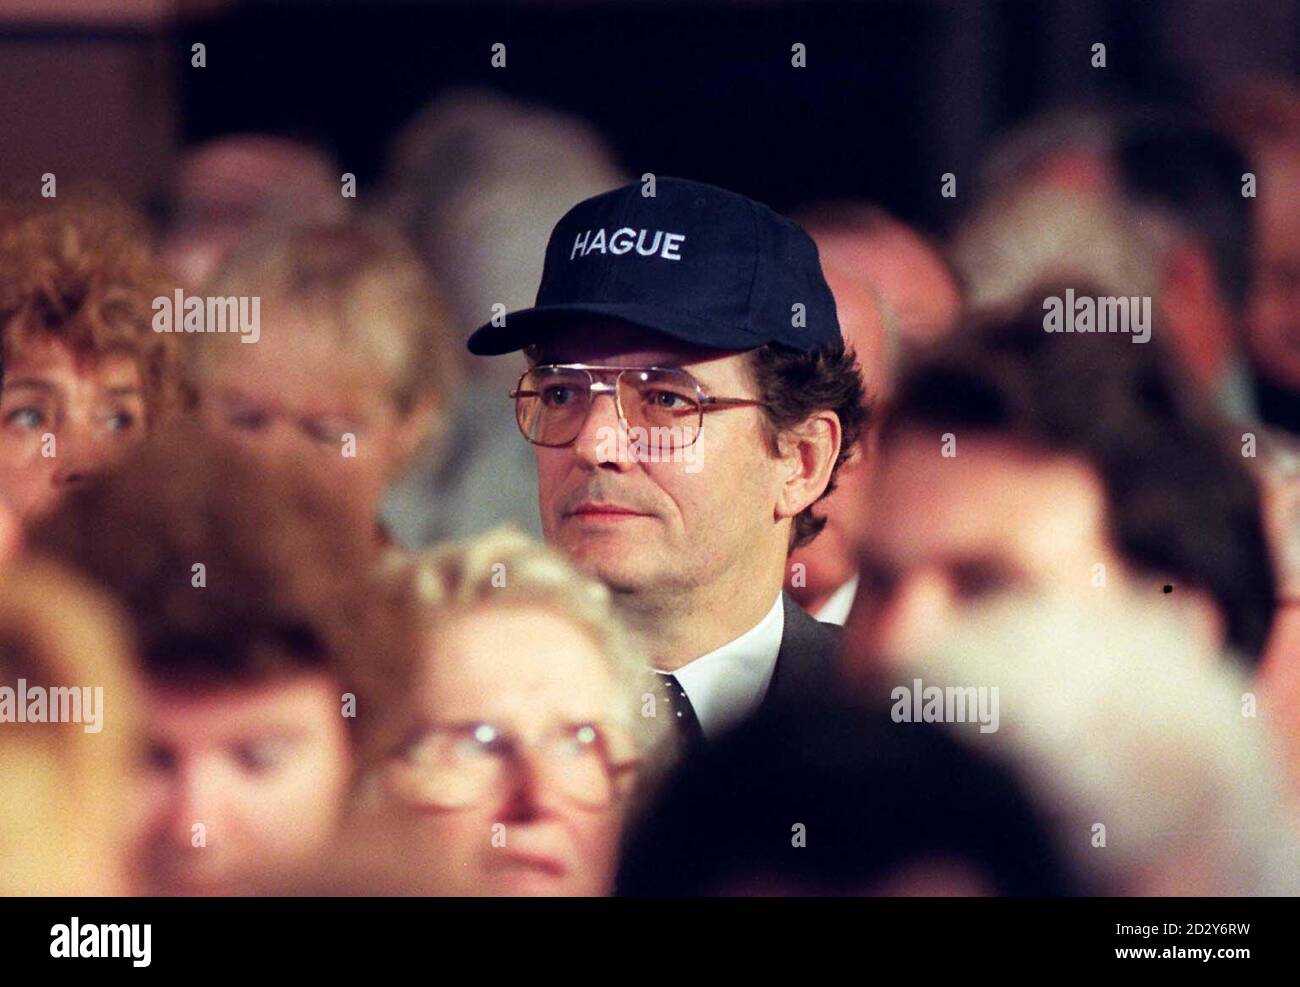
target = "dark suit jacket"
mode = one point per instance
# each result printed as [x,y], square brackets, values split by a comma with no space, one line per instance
[805,665]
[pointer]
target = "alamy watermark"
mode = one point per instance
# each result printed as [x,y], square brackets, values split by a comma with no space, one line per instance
[1104,313]
[73,940]
[60,704]
[656,444]
[920,703]
[178,313]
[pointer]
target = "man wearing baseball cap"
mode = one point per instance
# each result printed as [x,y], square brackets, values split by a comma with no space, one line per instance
[689,398]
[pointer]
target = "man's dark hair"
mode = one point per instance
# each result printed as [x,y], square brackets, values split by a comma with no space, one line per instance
[1180,500]
[875,797]
[793,386]
[286,578]
[1193,174]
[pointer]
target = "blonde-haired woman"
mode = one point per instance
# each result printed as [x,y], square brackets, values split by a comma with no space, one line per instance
[527,723]
[353,364]
[65,828]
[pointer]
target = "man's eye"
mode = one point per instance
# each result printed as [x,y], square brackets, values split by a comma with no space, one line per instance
[978,582]
[252,419]
[159,758]
[878,581]
[669,401]
[329,430]
[557,394]
[260,756]
[26,418]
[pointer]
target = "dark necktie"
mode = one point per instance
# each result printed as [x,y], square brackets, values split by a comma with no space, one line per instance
[680,710]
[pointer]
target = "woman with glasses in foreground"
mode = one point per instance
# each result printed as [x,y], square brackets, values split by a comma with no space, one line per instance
[525,727]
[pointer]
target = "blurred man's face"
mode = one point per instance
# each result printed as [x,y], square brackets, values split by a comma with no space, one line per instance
[644,526]
[862,323]
[227,188]
[63,420]
[293,395]
[912,280]
[262,769]
[831,559]
[1275,297]
[948,535]
[535,678]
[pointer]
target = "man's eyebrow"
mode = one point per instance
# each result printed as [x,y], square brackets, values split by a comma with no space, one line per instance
[269,732]
[989,560]
[124,391]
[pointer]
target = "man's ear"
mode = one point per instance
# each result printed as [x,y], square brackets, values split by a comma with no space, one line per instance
[808,454]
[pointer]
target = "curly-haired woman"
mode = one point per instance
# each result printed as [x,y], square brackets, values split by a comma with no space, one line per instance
[84,375]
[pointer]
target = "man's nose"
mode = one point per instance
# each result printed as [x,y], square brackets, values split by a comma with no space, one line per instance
[598,444]
[918,611]
[196,799]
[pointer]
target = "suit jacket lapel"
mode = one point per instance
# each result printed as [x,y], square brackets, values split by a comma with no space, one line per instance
[806,661]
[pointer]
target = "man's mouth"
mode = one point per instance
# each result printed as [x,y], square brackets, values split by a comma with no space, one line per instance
[589,510]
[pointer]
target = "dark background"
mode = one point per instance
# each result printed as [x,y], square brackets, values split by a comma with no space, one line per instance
[895,93]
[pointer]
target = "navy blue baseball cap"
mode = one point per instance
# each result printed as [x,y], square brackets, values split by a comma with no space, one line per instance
[693,261]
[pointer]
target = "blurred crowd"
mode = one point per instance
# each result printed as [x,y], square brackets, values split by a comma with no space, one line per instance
[946,603]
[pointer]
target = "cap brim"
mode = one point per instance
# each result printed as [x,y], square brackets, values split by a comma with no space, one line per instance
[532,325]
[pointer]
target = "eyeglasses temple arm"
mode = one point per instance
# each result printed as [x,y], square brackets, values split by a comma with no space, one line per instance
[707,399]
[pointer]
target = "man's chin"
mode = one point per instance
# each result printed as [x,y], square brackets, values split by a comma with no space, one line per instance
[618,569]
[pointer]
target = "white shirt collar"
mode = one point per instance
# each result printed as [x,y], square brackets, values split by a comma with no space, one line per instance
[727,684]
[836,609]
